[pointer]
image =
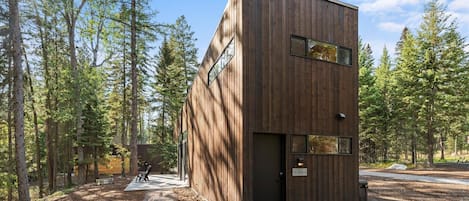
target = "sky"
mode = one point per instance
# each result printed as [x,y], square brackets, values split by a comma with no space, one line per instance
[380,21]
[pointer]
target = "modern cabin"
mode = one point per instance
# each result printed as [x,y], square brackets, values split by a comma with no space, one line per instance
[273,112]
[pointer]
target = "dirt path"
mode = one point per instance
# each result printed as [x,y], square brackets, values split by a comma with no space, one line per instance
[379,188]
[391,189]
[115,192]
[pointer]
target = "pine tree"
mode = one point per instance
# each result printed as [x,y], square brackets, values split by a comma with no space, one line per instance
[439,54]
[368,110]
[452,82]
[134,98]
[163,91]
[184,50]
[383,78]
[16,52]
[71,16]
[96,139]
[406,90]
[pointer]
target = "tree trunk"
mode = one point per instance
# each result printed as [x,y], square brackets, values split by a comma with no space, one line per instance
[430,128]
[140,124]
[414,149]
[163,130]
[45,59]
[49,141]
[10,132]
[69,159]
[21,169]
[124,106]
[55,123]
[43,36]
[48,104]
[442,147]
[134,118]
[71,17]
[455,144]
[95,161]
[36,127]
[414,139]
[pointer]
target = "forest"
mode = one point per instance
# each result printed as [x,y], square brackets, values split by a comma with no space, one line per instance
[415,105]
[81,79]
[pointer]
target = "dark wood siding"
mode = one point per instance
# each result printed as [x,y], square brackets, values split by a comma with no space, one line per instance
[266,90]
[293,95]
[212,116]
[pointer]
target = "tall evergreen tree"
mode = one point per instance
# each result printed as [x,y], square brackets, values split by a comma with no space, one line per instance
[162,85]
[184,50]
[368,110]
[404,107]
[95,136]
[16,52]
[438,56]
[134,98]
[71,14]
[383,78]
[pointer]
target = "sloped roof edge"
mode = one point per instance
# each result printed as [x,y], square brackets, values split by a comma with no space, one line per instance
[344,4]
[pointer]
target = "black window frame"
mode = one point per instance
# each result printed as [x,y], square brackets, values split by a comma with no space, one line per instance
[305,55]
[338,139]
[222,65]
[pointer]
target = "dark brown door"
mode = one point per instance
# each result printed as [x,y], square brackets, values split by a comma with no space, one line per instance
[269,167]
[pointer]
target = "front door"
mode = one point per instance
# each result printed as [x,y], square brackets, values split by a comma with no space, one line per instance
[269,167]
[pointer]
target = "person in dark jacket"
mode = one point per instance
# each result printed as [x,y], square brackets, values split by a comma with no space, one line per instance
[147,171]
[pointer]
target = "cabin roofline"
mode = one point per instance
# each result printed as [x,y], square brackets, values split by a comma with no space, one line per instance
[344,4]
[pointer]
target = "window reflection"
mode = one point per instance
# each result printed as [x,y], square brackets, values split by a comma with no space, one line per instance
[310,48]
[318,144]
[322,51]
[322,144]
[223,60]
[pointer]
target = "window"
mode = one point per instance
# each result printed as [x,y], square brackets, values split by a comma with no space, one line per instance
[313,49]
[322,144]
[298,144]
[316,144]
[345,145]
[298,46]
[322,51]
[344,56]
[222,61]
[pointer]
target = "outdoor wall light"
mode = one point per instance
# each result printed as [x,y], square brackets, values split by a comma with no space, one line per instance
[300,162]
[340,116]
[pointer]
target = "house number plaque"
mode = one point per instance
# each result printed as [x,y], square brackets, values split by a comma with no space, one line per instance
[299,172]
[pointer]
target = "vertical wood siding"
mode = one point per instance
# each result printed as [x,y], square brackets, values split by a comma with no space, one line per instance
[212,116]
[293,95]
[266,90]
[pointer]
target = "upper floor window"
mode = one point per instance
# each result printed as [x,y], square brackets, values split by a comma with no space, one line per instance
[223,60]
[320,50]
